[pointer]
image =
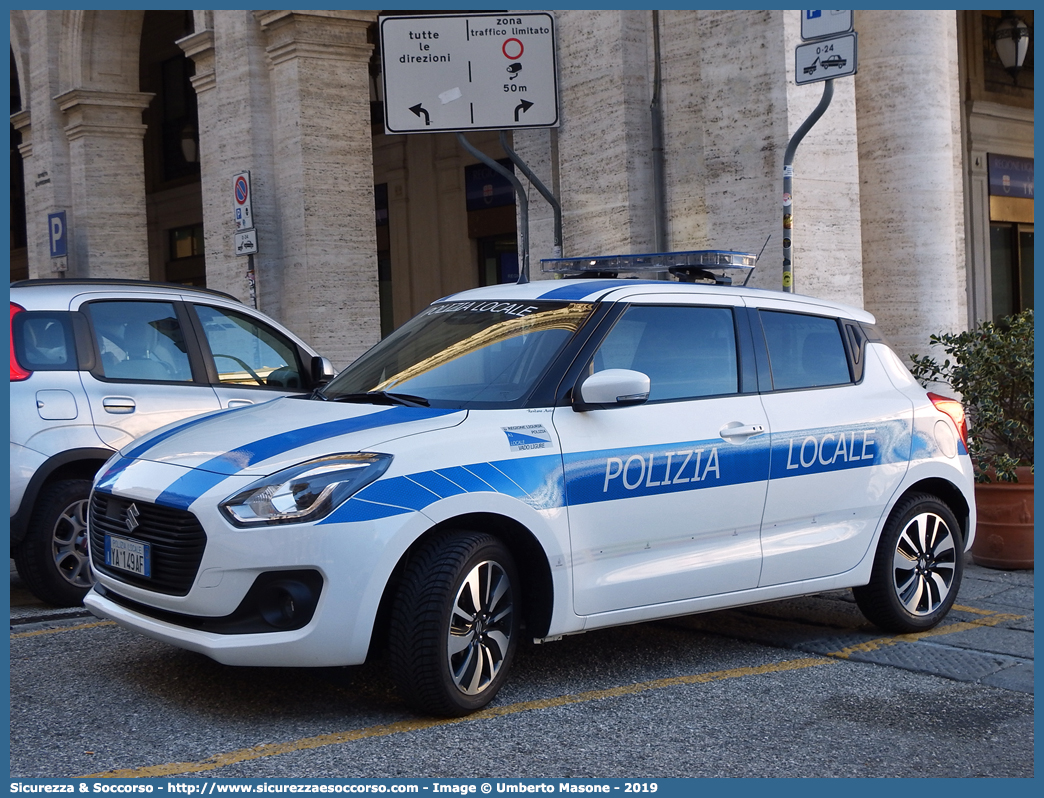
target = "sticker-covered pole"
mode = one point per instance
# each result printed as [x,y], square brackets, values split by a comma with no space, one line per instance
[788,185]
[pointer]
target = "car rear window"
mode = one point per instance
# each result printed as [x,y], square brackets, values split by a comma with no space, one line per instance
[44,341]
[804,351]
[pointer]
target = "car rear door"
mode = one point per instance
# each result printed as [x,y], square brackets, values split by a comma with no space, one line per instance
[665,498]
[148,371]
[841,437]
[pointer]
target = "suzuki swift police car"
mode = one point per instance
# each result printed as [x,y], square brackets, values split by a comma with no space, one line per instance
[538,460]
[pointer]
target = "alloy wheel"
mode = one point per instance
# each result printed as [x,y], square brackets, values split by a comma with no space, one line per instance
[924,564]
[69,544]
[480,627]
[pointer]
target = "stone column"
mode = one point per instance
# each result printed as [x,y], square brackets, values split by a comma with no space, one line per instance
[324,177]
[604,136]
[233,93]
[908,115]
[45,148]
[107,167]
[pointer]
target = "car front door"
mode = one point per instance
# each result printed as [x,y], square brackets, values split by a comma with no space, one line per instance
[248,360]
[665,498]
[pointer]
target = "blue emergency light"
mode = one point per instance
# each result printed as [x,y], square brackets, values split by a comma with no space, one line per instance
[686,266]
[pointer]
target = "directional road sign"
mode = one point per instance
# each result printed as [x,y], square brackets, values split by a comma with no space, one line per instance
[820,24]
[460,72]
[825,58]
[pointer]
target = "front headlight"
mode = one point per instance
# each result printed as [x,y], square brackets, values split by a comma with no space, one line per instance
[305,492]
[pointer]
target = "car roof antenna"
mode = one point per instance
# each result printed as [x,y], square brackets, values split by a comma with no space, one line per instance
[751,272]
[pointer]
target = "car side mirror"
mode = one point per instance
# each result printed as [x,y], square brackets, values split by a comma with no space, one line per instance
[613,388]
[322,371]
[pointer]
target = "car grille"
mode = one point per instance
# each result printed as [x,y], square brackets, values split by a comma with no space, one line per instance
[175,537]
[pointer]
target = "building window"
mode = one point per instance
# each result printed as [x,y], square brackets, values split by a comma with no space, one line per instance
[180,128]
[384,267]
[1011,182]
[186,242]
[1011,268]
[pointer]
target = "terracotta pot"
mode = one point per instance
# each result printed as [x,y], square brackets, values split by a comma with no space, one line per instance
[1004,534]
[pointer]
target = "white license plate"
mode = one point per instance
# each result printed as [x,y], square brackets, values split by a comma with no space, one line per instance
[128,555]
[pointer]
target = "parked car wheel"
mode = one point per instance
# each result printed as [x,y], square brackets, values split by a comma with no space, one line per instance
[917,569]
[455,624]
[52,560]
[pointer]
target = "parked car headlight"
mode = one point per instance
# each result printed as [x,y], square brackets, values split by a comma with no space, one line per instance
[305,492]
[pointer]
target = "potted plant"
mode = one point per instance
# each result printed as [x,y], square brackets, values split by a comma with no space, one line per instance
[991,368]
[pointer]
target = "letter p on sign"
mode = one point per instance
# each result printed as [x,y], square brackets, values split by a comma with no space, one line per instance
[57,234]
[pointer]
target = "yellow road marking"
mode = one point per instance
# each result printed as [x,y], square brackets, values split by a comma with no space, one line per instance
[322,740]
[76,628]
[989,618]
[973,610]
[949,629]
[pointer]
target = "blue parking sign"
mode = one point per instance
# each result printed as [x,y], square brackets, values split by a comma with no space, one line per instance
[57,234]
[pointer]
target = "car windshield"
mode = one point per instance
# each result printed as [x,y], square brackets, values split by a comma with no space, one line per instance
[463,354]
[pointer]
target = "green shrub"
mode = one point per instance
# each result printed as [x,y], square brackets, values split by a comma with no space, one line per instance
[990,367]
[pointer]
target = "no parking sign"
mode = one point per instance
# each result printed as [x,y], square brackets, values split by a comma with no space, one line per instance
[241,201]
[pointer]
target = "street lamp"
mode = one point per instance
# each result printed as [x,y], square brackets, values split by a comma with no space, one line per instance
[1012,40]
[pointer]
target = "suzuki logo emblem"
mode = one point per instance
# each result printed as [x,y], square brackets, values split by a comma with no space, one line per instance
[132,517]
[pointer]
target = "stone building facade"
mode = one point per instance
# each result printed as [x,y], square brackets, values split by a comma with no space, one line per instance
[133,123]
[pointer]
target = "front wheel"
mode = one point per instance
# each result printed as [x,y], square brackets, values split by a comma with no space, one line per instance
[455,624]
[52,560]
[917,569]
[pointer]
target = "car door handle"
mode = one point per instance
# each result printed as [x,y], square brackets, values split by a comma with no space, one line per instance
[734,429]
[118,404]
[238,402]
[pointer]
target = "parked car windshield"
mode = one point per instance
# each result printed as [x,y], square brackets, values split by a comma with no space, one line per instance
[463,355]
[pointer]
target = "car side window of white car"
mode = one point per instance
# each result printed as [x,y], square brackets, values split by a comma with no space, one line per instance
[140,341]
[687,352]
[246,352]
[804,351]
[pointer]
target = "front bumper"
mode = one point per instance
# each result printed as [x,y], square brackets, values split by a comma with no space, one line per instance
[302,595]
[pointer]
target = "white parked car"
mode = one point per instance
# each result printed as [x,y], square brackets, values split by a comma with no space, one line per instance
[538,460]
[98,363]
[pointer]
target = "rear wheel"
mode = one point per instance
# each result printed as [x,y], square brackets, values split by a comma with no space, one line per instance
[917,569]
[455,624]
[52,560]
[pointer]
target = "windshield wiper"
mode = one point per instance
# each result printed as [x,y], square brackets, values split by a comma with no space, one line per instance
[381,398]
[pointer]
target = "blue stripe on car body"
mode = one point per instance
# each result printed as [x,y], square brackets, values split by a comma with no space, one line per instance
[545,481]
[610,474]
[580,290]
[199,480]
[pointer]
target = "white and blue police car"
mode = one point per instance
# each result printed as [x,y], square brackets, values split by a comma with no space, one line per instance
[538,460]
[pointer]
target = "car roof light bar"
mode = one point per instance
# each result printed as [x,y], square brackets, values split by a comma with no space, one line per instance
[686,266]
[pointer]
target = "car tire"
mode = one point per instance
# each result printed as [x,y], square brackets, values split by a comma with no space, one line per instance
[52,559]
[455,624]
[917,568]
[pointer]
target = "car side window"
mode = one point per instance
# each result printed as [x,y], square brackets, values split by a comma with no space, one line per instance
[687,352]
[44,341]
[804,351]
[140,341]
[247,352]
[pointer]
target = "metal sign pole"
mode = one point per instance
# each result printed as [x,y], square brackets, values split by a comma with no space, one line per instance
[523,204]
[545,192]
[788,184]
